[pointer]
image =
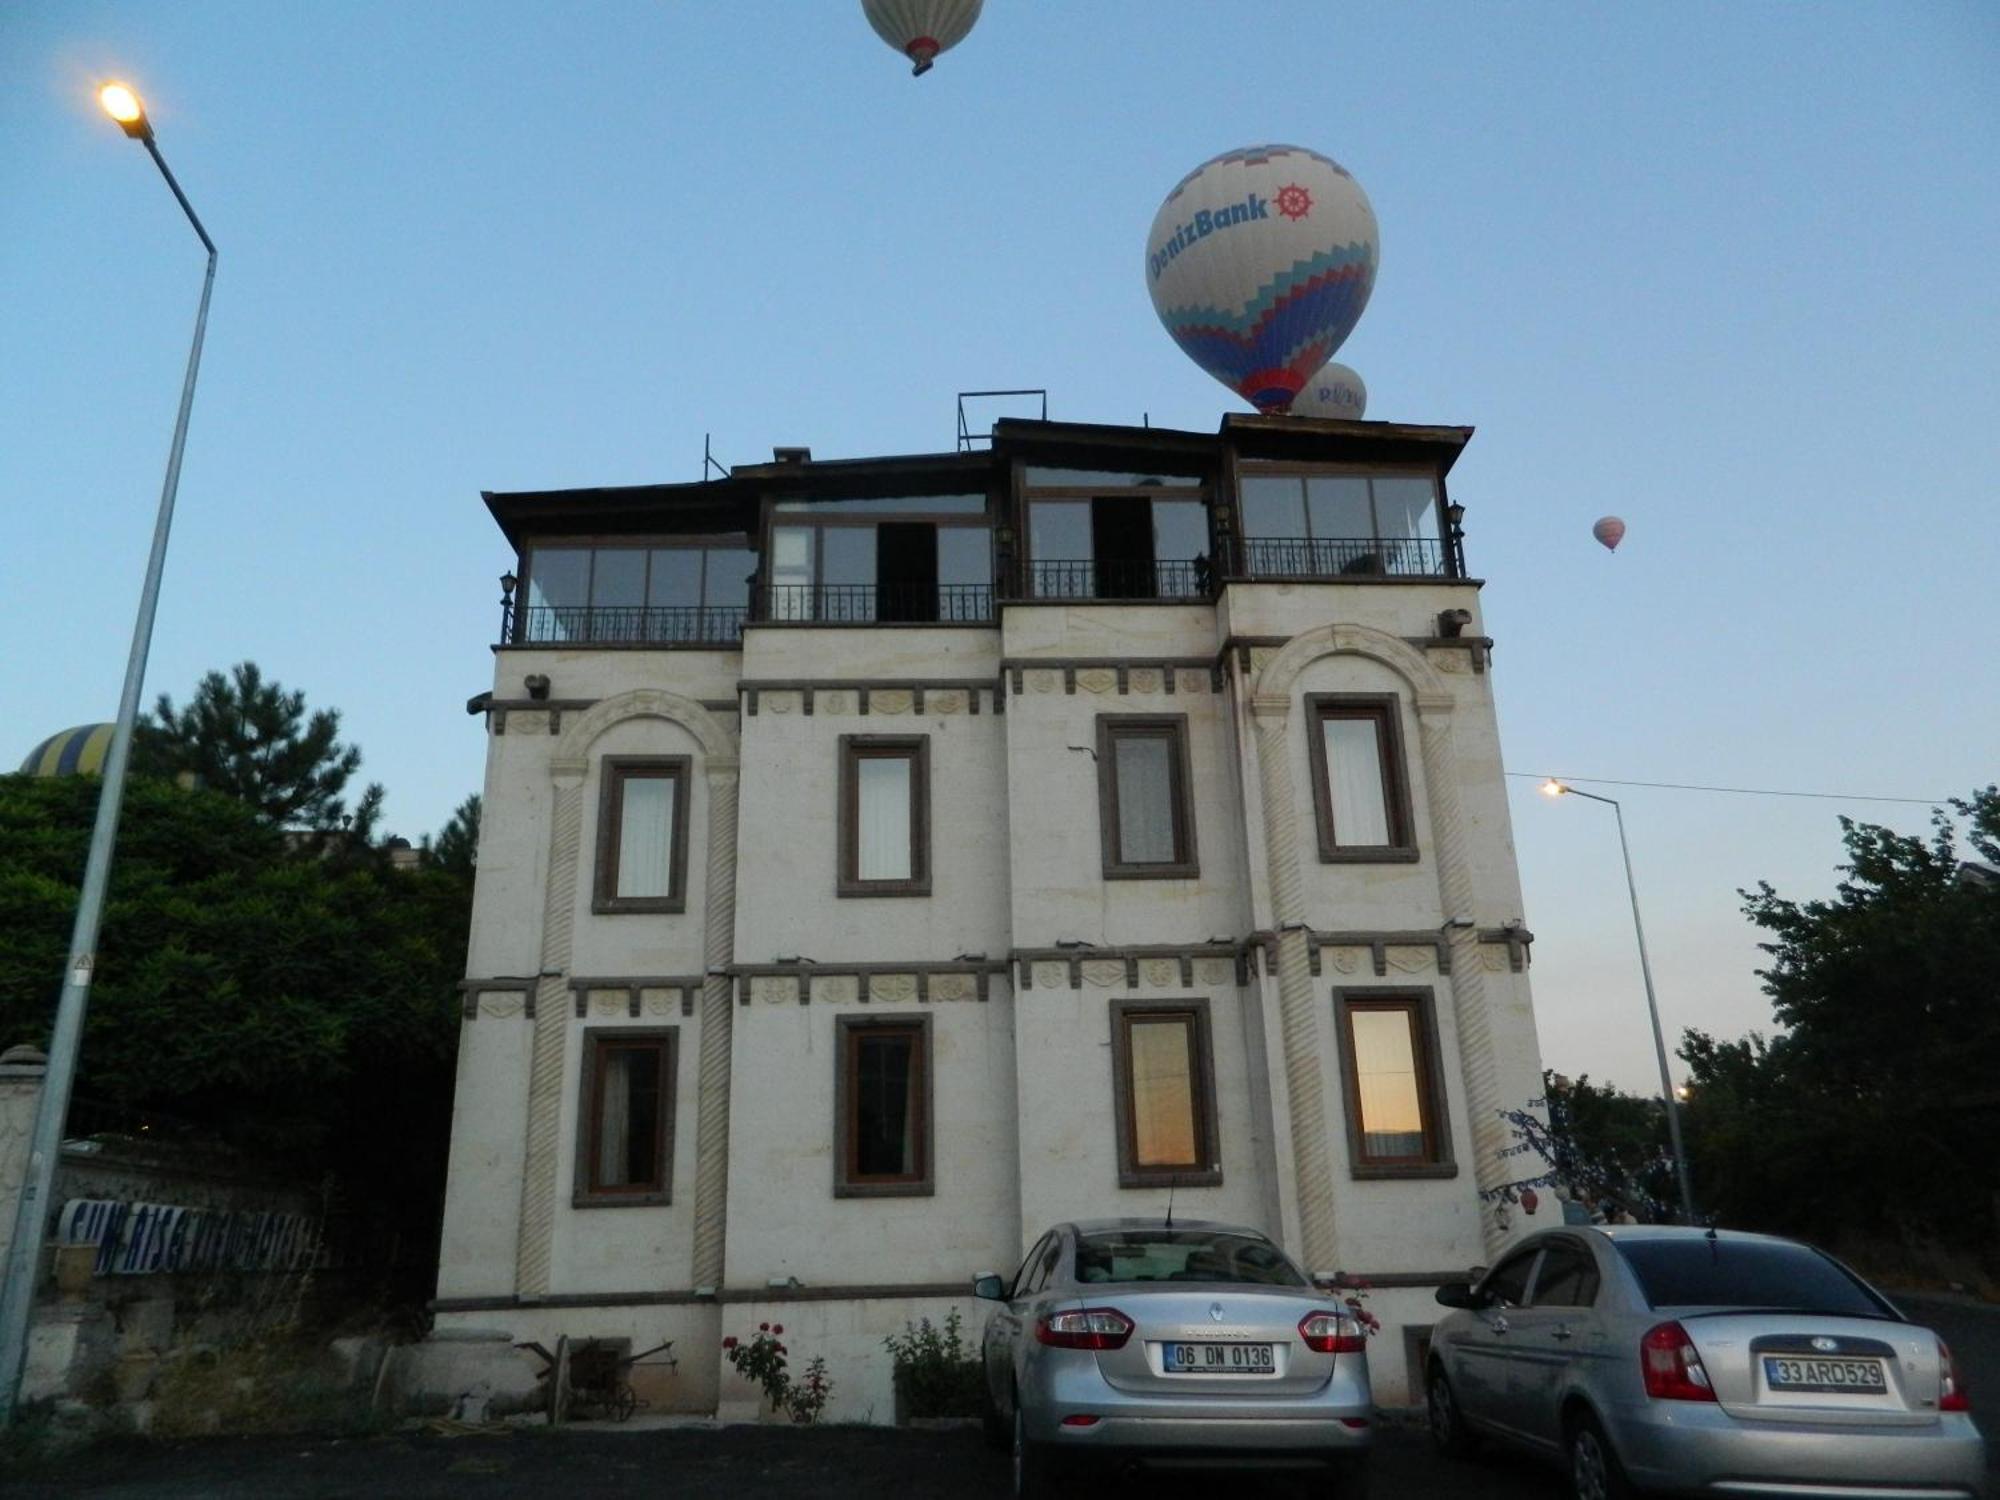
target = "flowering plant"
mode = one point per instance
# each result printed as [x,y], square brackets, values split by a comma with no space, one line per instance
[1354,1292]
[808,1395]
[761,1359]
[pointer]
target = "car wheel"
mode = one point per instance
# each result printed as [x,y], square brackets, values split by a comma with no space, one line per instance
[1448,1430]
[1594,1470]
[1032,1477]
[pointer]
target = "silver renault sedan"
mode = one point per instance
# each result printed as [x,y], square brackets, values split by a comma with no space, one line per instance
[1702,1361]
[1169,1344]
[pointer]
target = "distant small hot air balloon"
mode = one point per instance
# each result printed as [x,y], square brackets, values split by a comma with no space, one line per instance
[1260,263]
[921,29]
[1610,531]
[1336,391]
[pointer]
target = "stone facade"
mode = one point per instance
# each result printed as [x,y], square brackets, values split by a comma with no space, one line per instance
[1017,959]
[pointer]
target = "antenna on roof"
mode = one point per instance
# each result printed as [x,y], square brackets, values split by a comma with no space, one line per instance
[708,461]
[968,440]
[1172,1183]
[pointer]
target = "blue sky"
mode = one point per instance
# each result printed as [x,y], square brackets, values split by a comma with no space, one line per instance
[1724,270]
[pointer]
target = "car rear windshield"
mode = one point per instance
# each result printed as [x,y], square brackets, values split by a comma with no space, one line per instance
[1182,1255]
[1746,1273]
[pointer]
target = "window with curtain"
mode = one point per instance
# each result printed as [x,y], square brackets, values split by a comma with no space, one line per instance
[1323,524]
[1145,802]
[1360,794]
[625,1123]
[642,835]
[1388,1047]
[884,815]
[884,1104]
[1163,1080]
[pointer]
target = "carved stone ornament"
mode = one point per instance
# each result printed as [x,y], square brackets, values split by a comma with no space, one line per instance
[833,703]
[1042,680]
[1449,661]
[953,987]
[1160,973]
[1348,960]
[890,701]
[950,701]
[1051,976]
[775,989]
[659,1002]
[1193,682]
[1410,960]
[836,989]
[892,989]
[608,1003]
[1215,972]
[1143,680]
[1104,972]
[527,722]
[1097,679]
[779,703]
[500,1005]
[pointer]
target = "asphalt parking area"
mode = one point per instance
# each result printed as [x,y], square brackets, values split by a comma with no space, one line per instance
[742,1463]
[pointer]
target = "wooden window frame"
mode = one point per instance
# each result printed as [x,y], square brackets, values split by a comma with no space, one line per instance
[1208,1139]
[614,771]
[847,1183]
[1387,712]
[1420,1002]
[585,1193]
[855,748]
[1174,728]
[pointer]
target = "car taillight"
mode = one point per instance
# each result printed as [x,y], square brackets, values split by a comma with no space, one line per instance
[1333,1333]
[1093,1328]
[1672,1367]
[1951,1390]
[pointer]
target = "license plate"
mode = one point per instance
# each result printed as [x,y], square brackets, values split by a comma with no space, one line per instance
[1218,1359]
[1798,1373]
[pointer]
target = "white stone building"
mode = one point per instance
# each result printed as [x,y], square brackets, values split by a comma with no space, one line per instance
[885,859]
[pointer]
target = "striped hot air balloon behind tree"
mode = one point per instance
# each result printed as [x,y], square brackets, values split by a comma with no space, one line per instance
[74,752]
[1260,263]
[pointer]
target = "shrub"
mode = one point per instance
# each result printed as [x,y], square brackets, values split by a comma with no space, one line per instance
[936,1373]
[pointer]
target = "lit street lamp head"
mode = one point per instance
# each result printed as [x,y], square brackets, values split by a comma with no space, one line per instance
[123,106]
[1553,788]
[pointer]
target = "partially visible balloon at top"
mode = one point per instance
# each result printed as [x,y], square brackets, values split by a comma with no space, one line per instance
[921,29]
[1335,391]
[1260,263]
[1610,531]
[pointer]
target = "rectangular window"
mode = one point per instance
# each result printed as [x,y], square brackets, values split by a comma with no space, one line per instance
[625,1126]
[1163,1079]
[685,591]
[1361,797]
[882,1107]
[884,815]
[642,815]
[1395,1104]
[1299,523]
[1145,798]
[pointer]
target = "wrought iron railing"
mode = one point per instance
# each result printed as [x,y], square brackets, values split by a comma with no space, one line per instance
[624,625]
[1342,557]
[1082,578]
[877,603]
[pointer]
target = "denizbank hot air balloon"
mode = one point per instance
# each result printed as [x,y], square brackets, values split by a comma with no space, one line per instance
[1334,391]
[1260,264]
[921,29]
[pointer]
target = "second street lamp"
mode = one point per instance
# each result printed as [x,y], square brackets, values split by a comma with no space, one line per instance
[1668,1093]
[24,1258]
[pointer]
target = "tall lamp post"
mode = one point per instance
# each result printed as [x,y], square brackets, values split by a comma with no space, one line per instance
[1555,788]
[32,1216]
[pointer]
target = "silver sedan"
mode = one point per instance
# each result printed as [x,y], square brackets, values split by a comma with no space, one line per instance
[1127,1342]
[1690,1360]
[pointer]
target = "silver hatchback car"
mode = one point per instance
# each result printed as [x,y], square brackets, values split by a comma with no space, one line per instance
[1124,1342]
[1699,1361]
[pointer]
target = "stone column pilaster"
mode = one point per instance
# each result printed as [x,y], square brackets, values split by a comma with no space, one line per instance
[718,1019]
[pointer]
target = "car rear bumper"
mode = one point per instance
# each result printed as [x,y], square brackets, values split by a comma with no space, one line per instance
[1336,1419]
[1703,1450]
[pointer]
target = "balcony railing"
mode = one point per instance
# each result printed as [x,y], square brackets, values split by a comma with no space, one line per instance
[877,603]
[1082,578]
[624,625]
[1343,557]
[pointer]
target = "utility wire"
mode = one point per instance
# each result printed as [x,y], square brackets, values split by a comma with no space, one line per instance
[1740,791]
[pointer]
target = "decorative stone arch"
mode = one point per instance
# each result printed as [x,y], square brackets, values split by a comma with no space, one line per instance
[573,751]
[1274,683]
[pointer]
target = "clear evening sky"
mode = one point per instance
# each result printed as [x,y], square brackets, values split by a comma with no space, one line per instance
[1729,271]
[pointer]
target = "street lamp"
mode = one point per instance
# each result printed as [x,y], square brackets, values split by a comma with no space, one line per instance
[31,1220]
[1668,1092]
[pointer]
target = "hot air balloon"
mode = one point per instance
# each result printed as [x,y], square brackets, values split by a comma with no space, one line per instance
[921,29]
[1610,531]
[1336,391]
[1260,263]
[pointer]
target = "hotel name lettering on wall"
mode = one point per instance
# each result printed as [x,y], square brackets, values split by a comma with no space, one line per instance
[139,1239]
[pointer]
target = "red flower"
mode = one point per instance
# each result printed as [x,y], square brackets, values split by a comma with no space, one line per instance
[777,1328]
[763,1327]
[781,1348]
[730,1342]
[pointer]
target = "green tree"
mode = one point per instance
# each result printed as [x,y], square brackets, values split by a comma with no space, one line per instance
[251,739]
[456,845]
[1873,1113]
